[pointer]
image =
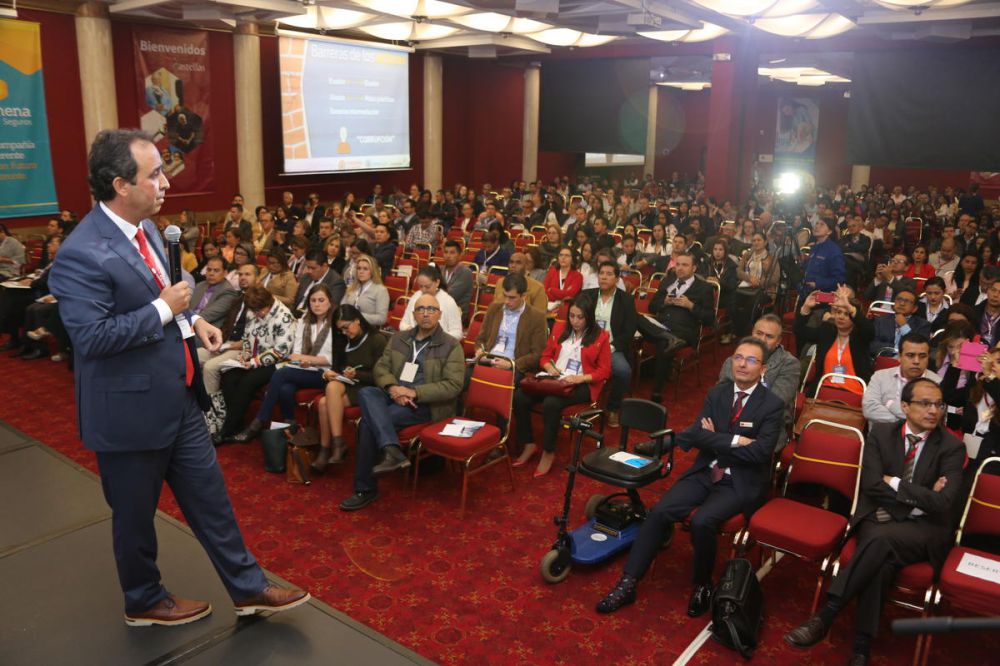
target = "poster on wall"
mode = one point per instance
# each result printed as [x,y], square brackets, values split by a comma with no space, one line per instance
[795,141]
[26,184]
[173,92]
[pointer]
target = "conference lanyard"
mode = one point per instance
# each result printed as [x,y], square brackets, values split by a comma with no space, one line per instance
[348,349]
[562,279]
[417,352]
[840,350]
[361,292]
[489,258]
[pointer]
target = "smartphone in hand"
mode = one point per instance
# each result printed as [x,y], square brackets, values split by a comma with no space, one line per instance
[825,297]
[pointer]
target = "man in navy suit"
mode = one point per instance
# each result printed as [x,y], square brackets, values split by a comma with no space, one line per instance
[735,435]
[889,330]
[139,391]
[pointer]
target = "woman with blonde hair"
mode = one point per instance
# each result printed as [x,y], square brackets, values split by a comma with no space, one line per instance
[367,293]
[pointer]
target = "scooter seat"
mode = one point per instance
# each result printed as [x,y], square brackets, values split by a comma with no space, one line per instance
[598,465]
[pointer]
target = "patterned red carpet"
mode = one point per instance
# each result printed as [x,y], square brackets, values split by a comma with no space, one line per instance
[464,592]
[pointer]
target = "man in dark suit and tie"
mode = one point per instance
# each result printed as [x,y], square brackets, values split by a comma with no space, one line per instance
[138,385]
[318,272]
[889,330]
[910,479]
[682,306]
[735,435]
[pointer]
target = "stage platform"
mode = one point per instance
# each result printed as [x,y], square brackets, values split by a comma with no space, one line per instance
[63,604]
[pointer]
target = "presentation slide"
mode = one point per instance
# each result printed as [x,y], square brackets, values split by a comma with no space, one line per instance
[345,106]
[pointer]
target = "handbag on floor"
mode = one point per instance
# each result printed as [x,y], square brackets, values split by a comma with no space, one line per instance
[298,463]
[275,445]
[738,608]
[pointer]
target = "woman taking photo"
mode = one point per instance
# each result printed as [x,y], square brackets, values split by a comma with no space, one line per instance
[311,353]
[955,382]
[279,279]
[966,276]
[563,281]
[367,293]
[842,340]
[355,352]
[579,354]
[758,278]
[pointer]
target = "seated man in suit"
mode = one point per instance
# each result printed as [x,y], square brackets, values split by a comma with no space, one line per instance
[908,487]
[889,330]
[735,435]
[214,296]
[513,332]
[888,279]
[535,295]
[318,271]
[615,313]
[881,402]
[417,380]
[782,368]
[456,276]
[976,297]
[232,328]
[681,305]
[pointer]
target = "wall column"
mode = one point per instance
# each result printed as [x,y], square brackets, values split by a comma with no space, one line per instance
[529,137]
[649,166]
[433,122]
[249,133]
[734,80]
[861,174]
[97,69]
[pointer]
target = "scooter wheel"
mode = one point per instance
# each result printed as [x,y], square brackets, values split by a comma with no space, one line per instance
[590,509]
[555,566]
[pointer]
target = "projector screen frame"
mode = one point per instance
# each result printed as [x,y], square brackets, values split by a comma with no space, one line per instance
[409,50]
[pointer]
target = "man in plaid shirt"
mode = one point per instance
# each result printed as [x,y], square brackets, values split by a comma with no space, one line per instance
[424,233]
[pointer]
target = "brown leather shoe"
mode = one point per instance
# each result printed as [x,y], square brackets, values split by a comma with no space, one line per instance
[170,612]
[613,420]
[273,599]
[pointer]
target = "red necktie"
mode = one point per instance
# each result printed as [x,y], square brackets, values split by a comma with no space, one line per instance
[716,473]
[147,257]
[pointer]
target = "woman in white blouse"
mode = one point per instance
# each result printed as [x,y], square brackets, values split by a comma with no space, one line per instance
[367,293]
[312,350]
[429,282]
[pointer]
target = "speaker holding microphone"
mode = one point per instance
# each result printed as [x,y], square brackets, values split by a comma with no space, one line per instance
[173,235]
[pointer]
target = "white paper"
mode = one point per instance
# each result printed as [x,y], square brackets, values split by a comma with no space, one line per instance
[230,364]
[654,320]
[278,425]
[972,444]
[455,430]
[469,424]
[14,284]
[980,567]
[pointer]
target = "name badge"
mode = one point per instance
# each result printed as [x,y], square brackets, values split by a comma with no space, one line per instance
[501,345]
[185,326]
[746,424]
[409,372]
[840,370]
[603,324]
[573,367]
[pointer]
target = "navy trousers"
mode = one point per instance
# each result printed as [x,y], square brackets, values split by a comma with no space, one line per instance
[132,481]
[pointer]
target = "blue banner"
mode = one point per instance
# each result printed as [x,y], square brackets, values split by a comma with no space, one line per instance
[26,184]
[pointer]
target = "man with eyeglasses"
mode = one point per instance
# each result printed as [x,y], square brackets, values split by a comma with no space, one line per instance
[890,330]
[735,434]
[881,402]
[417,380]
[513,333]
[888,279]
[910,479]
[782,367]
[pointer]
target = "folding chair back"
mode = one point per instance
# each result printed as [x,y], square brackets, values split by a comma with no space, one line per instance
[491,389]
[828,454]
[982,509]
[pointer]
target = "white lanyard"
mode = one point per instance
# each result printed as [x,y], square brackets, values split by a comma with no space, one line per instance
[416,352]
[349,348]
[840,350]
[562,279]
[360,292]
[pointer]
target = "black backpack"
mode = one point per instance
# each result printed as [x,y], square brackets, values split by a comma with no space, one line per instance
[738,608]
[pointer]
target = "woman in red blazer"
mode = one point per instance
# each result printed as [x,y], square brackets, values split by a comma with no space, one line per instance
[563,281]
[578,354]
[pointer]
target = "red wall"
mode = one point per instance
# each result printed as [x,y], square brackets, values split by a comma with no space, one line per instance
[63,101]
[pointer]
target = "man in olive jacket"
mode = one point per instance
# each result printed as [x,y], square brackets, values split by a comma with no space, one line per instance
[417,380]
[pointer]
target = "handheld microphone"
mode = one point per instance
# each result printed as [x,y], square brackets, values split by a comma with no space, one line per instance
[173,235]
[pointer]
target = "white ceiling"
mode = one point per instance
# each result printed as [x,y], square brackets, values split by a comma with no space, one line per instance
[491,28]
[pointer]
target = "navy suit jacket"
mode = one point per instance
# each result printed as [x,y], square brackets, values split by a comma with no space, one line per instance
[129,367]
[761,420]
[885,331]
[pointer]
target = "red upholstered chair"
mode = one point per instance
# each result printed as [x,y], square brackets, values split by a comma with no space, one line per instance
[827,390]
[490,390]
[484,297]
[829,455]
[982,518]
[471,333]
[396,314]
[396,285]
[632,280]
[884,362]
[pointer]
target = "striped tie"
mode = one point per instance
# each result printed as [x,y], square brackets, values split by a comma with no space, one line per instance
[881,515]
